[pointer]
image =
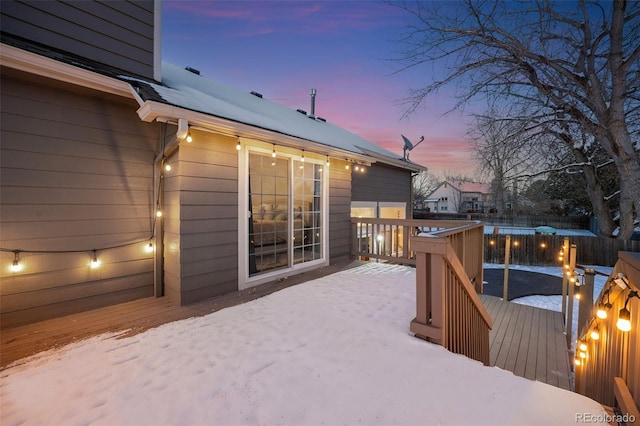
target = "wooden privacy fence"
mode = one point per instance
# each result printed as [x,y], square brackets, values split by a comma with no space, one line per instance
[608,361]
[448,309]
[542,250]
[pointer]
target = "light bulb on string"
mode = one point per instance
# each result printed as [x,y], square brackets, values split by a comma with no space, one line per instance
[595,334]
[189,139]
[624,315]
[95,262]
[16,266]
[149,248]
[273,153]
[238,146]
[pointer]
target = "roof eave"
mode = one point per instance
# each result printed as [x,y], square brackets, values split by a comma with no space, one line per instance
[13,57]
[158,111]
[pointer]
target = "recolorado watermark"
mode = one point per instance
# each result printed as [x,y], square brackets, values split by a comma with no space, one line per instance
[605,418]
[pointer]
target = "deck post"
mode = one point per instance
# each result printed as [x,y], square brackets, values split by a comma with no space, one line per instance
[507,256]
[438,295]
[572,267]
[565,280]
[585,312]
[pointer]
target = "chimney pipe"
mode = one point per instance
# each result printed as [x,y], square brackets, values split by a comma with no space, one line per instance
[313,104]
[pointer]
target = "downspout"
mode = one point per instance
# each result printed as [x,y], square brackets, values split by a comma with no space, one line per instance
[158,188]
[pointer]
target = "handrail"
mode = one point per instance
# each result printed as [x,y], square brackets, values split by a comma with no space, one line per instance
[448,310]
[615,353]
[390,239]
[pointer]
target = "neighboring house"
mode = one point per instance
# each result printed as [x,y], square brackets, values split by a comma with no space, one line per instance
[123,177]
[460,197]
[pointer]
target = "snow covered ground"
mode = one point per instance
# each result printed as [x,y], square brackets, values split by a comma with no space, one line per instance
[336,350]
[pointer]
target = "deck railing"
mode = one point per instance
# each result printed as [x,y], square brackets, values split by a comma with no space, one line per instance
[448,309]
[448,256]
[614,353]
[391,240]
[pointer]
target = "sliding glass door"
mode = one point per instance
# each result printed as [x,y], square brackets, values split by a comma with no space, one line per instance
[285,221]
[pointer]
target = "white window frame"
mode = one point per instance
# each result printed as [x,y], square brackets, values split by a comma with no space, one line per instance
[244,280]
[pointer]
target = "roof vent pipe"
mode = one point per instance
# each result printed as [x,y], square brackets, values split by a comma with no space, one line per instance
[313,104]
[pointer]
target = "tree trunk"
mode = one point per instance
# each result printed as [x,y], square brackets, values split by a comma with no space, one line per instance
[601,209]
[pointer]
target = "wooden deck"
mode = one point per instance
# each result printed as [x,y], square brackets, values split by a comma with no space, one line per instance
[132,317]
[528,341]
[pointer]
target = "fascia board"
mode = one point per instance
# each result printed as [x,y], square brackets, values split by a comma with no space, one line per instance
[13,57]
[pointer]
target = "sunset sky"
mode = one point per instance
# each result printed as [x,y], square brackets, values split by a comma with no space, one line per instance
[344,50]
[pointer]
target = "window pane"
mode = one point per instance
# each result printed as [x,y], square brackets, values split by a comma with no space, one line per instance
[269,222]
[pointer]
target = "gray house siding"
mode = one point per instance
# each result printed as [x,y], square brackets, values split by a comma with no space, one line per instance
[119,34]
[201,228]
[339,211]
[382,183]
[76,173]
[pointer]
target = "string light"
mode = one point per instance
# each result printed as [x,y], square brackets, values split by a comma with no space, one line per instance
[302,159]
[238,146]
[595,334]
[624,316]
[273,154]
[15,265]
[189,139]
[328,162]
[149,247]
[577,362]
[95,262]
[604,306]
[159,212]
[347,166]
[582,346]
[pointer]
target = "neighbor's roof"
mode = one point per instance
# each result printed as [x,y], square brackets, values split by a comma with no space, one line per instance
[483,188]
[462,186]
[187,90]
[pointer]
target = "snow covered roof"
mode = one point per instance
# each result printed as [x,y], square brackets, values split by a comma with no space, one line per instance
[482,188]
[190,91]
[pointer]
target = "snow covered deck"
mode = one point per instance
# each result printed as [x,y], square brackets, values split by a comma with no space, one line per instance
[525,340]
